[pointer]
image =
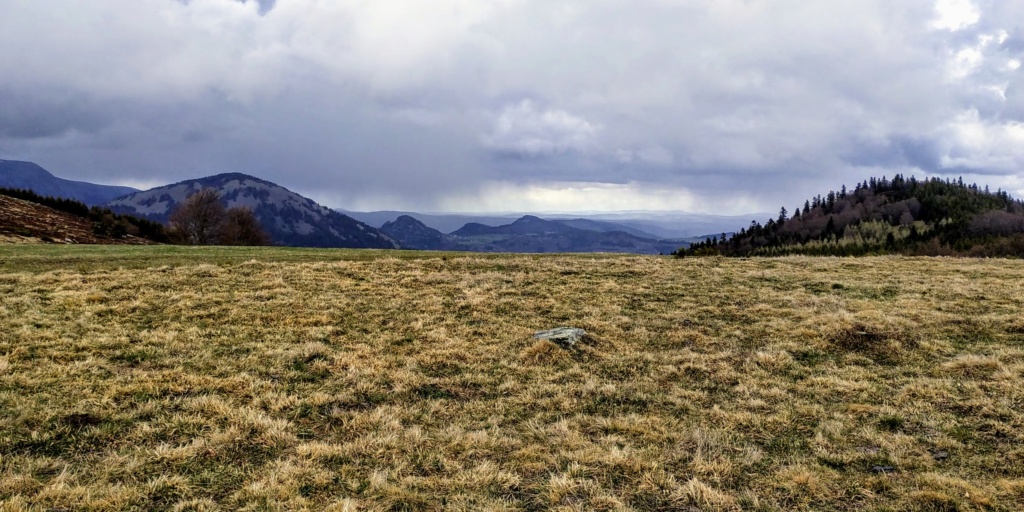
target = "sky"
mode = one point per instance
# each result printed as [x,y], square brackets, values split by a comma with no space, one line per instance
[708,106]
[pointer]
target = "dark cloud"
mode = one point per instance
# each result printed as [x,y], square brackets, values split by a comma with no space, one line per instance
[724,106]
[1014,43]
[52,114]
[896,152]
[266,5]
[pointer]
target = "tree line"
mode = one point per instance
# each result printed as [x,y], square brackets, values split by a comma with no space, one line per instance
[883,216]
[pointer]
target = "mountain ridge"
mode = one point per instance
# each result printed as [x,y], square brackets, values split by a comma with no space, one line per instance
[17,174]
[413,234]
[289,218]
[529,234]
[645,224]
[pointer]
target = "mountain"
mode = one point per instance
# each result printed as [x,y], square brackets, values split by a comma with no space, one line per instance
[413,234]
[645,224]
[604,227]
[29,176]
[883,216]
[533,234]
[525,225]
[443,222]
[669,224]
[526,234]
[289,218]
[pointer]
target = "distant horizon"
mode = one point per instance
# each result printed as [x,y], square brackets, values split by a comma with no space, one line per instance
[646,213]
[144,186]
[551,212]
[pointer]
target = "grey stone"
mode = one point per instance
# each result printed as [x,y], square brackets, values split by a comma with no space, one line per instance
[564,336]
[940,455]
[882,469]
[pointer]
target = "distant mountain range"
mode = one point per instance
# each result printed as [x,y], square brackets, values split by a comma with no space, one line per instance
[604,227]
[294,220]
[413,234]
[289,218]
[29,176]
[673,225]
[526,234]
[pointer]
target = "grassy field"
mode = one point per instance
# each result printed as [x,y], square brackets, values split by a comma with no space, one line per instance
[176,378]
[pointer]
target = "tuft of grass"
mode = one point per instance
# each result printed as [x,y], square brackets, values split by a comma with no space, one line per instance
[879,340]
[544,352]
[174,378]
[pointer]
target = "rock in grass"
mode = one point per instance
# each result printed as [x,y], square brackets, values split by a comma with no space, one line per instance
[563,336]
[883,469]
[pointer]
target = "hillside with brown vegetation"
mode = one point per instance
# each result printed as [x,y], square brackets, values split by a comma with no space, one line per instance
[23,221]
[181,378]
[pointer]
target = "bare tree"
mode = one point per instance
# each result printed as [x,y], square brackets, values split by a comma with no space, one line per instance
[198,220]
[996,223]
[241,227]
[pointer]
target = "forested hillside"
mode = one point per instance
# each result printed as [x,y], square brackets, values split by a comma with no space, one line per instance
[879,216]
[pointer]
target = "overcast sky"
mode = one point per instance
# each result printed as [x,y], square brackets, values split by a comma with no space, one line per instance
[715,106]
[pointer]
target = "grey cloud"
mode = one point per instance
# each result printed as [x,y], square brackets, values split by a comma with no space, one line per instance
[1014,44]
[266,5]
[48,115]
[410,101]
[898,151]
[525,131]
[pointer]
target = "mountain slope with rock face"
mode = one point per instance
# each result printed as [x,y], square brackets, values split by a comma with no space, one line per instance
[29,176]
[289,218]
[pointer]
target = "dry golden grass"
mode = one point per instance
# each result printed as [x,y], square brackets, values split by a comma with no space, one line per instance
[270,379]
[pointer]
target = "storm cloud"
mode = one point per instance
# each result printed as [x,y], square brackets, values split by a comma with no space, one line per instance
[717,106]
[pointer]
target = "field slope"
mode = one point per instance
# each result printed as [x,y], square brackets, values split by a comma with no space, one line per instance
[284,379]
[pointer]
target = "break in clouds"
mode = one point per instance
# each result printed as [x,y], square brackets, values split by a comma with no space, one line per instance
[704,105]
